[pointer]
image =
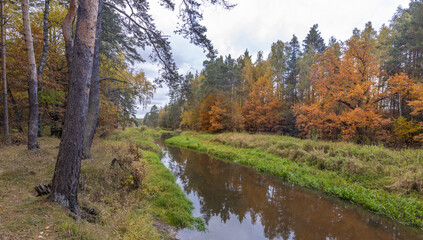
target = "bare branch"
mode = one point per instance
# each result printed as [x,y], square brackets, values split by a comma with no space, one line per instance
[346,104]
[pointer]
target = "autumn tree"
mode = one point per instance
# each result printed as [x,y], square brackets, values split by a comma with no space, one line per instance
[217,116]
[348,101]
[261,111]
[213,114]
[345,92]
[191,110]
[108,118]
[123,87]
[204,113]
[249,76]
[53,80]
[417,106]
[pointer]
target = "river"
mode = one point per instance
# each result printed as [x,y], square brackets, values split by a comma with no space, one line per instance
[236,202]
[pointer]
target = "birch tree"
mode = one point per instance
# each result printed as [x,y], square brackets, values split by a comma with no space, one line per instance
[33,82]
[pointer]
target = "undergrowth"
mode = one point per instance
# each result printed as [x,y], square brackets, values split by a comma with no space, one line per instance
[138,200]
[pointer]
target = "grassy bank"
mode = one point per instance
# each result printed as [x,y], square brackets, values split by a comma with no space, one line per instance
[123,211]
[384,181]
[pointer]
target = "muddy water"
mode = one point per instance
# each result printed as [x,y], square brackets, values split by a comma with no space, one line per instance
[238,203]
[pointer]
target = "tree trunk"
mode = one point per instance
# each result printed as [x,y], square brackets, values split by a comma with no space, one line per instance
[67,32]
[18,117]
[94,99]
[32,88]
[43,61]
[3,69]
[68,165]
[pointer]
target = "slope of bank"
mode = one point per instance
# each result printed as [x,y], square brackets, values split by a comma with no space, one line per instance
[123,210]
[387,182]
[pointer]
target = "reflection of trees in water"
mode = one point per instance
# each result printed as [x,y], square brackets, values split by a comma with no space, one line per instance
[225,189]
[214,184]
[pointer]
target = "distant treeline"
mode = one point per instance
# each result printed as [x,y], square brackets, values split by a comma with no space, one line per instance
[366,89]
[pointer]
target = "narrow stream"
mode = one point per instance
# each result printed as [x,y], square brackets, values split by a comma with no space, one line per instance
[236,202]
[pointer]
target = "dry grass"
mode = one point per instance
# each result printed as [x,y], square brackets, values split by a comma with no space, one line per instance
[395,171]
[124,212]
[22,214]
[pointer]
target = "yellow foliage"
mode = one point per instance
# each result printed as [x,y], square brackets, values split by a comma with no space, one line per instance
[189,119]
[405,131]
[108,117]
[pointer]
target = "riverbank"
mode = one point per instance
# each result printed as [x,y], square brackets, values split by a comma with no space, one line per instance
[386,182]
[123,210]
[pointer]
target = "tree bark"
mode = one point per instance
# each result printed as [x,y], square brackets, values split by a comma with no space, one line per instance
[18,117]
[43,61]
[67,32]
[94,98]
[68,165]
[3,69]
[32,85]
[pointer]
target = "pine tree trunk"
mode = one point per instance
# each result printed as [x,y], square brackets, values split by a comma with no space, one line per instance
[32,88]
[68,165]
[43,61]
[3,69]
[94,99]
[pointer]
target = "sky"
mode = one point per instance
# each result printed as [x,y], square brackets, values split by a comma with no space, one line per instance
[256,24]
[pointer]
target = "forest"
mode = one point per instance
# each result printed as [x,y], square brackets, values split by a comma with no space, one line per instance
[121,86]
[68,69]
[338,121]
[367,89]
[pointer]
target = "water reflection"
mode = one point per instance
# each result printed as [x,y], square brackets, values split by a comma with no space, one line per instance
[238,203]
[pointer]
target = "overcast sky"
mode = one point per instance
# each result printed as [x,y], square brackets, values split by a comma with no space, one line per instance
[256,24]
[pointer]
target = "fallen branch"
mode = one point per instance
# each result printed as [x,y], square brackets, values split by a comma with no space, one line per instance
[43,189]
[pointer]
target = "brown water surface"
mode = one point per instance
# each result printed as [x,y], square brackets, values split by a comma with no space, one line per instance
[236,202]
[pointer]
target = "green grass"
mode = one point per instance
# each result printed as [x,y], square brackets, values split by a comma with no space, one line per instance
[123,213]
[164,197]
[384,181]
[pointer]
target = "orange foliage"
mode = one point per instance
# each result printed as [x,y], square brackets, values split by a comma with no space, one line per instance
[217,113]
[213,114]
[347,96]
[262,108]
[417,106]
[312,121]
